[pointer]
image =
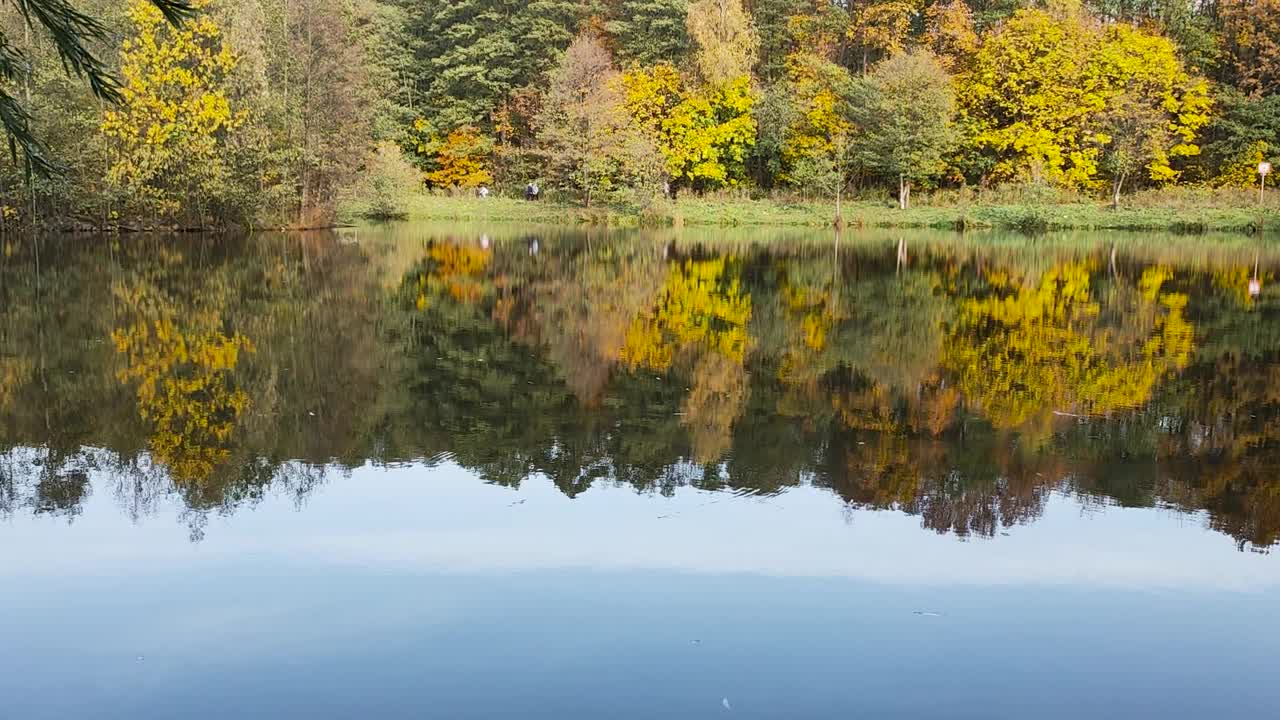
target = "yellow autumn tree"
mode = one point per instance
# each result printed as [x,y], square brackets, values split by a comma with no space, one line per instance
[1153,110]
[703,132]
[725,38]
[949,33]
[458,159]
[169,132]
[882,28]
[1047,85]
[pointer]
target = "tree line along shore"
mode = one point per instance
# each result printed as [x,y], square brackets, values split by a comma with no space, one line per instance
[201,114]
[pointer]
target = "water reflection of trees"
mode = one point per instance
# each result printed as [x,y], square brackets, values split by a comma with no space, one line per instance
[960,387]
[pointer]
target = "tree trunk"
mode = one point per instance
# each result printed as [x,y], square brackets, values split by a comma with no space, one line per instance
[904,192]
[839,217]
[1115,197]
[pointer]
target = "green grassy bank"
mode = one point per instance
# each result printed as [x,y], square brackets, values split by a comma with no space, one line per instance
[1182,214]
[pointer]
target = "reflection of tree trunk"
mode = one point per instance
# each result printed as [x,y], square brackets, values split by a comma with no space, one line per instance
[836,273]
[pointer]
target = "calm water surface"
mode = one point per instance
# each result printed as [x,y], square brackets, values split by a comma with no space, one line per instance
[445,471]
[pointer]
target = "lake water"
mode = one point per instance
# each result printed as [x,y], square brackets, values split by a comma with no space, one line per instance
[456,471]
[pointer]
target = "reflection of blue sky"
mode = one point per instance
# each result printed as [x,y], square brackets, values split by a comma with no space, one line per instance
[416,518]
[424,593]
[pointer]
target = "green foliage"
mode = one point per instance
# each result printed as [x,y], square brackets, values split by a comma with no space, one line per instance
[472,54]
[388,180]
[773,25]
[647,32]
[73,33]
[903,118]
[1080,95]
[592,146]
[1244,131]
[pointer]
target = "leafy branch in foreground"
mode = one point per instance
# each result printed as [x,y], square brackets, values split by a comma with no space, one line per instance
[72,32]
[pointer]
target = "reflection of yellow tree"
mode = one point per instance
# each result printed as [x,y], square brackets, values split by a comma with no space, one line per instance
[183,375]
[456,270]
[583,309]
[1027,350]
[703,311]
[701,307]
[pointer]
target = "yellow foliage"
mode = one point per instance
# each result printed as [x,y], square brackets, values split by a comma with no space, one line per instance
[184,386]
[456,271]
[884,26]
[1024,354]
[461,158]
[949,33]
[703,134]
[702,305]
[1242,171]
[169,128]
[820,122]
[1040,83]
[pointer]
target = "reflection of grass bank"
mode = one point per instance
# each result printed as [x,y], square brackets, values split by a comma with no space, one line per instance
[1184,213]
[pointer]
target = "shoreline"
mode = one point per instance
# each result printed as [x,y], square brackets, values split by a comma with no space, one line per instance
[1024,217]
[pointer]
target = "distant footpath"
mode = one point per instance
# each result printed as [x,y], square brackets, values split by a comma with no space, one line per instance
[1184,212]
